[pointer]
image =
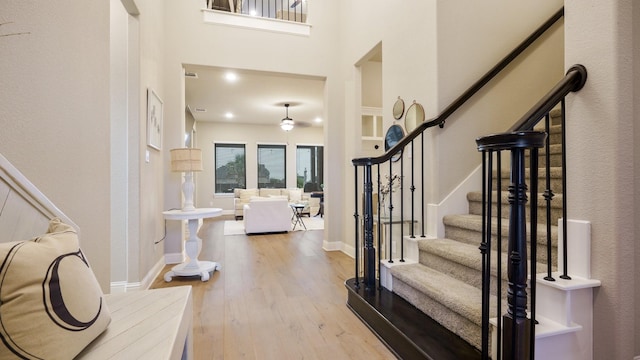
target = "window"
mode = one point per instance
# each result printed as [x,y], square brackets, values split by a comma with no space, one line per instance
[309,164]
[230,167]
[272,166]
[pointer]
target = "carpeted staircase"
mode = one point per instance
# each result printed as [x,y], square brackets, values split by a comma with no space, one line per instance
[445,282]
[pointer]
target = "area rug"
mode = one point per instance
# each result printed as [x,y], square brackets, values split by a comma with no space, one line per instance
[237,227]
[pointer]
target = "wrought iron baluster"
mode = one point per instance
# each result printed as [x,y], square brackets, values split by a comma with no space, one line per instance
[485,248]
[413,190]
[548,196]
[357,223]
[379,256]
[499,253]
[422,159]
[565,261]
[402,207]
[390,240]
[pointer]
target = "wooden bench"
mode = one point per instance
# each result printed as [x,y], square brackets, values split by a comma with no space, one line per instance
[147,324]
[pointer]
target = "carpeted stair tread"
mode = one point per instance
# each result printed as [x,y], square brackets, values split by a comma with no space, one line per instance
[554,172]
[474,223]
[462,261]
[459,253]
[556,203]
[465,254]
[553,149]
[475,206]
[456,295]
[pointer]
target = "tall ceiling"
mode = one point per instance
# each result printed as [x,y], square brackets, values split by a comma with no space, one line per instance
[254,97]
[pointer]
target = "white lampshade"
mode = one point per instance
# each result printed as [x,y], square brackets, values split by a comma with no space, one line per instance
[186,160]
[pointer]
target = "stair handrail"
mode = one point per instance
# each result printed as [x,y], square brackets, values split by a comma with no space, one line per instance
[519,328]
[465,96]
[573,81]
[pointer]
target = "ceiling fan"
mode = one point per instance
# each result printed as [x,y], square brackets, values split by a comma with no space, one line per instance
[287,123]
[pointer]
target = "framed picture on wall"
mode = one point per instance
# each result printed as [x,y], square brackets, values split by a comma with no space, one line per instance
[154,120]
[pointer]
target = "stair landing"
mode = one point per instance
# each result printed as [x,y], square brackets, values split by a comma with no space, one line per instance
[407,331]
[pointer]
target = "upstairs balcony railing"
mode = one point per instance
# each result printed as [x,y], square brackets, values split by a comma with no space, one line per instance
[288,10]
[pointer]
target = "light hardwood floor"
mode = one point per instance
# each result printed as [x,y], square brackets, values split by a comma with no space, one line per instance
[277,296]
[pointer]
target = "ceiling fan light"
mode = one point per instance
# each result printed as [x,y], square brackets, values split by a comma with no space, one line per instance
[286,124]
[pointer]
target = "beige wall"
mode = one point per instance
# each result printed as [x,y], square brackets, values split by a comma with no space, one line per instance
[56,80]
[636,164]
[147,182]
[496,107]
[601,135]
[467,48]
[371,72]
[54,111]
[119,86]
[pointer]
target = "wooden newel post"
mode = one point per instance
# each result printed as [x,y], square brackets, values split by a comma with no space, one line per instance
[516,326]
[369,250]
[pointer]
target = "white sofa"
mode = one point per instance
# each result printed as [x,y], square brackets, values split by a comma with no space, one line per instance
[242,197]
[267,215]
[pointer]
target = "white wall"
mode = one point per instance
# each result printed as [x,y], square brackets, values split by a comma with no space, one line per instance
[636,157]
[119,146]
[408,41]
[251,136]
[471,39]
[372,84]
[54,111]
[601,143]
[496,107]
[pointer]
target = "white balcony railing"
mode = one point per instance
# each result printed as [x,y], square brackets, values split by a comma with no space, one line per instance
[289,10]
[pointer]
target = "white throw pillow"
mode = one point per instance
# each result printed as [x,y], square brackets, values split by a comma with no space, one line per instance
[51,303]
[295,195]
[247,194]
[278,197]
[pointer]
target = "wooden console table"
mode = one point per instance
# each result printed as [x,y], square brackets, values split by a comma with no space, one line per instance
[192,266]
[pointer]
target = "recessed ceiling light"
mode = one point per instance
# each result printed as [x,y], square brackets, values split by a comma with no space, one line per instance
[228,115]
[318,120]
[231,77]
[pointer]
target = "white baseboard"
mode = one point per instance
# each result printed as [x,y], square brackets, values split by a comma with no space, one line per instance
[173,258]
[151,275]
[118,287]
[454,203]
[333,245]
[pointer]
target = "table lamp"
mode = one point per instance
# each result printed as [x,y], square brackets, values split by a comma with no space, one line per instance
[187,160]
